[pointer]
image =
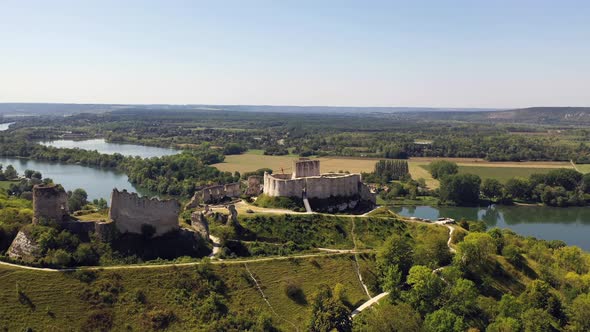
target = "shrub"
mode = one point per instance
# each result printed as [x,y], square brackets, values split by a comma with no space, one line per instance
[99,320]
[159,319]
[295,293]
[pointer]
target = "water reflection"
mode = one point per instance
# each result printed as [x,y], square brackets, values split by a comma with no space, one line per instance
[571,225]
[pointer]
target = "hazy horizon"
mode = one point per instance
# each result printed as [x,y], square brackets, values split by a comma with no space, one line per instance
[427,54]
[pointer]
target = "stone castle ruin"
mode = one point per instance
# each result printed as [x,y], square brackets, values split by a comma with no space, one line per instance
[215,194]
[254,185]
[50,203]
[130,213]
[306,181]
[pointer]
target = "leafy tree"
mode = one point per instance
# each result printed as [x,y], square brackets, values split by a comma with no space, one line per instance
[397,250]
[463,298]
[518,188]
[443,321]
[29,173]
[512,255]
[498,237]
[578,313]
[327,313]
[572,259]
[396,318]
[391,281]
[504,324]
[77,199]
[535,320]
[492,189]
[442,168]
[10,173]
[509,306]
[563,177]
[58,257]
[85,255]
[233,148]
[387,170]
[460,188]
[425,291]
[476,250]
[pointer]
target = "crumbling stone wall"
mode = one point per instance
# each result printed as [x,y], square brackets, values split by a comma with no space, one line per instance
[215,194]
[50,203]
[254,185]
[323,186]
[200,224]
[304,167]
[130,212]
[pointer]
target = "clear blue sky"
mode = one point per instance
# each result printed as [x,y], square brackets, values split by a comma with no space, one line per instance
[439,53]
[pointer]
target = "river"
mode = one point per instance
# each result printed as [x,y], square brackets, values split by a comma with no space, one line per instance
[571,225]
[98,182]
[102,146]
[4,126]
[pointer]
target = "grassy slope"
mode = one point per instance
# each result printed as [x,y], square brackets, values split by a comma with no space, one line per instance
[584,168]
[60,293]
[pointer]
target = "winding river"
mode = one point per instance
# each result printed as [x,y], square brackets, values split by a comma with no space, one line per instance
[98,182]
[4,126]
[571,225]
[102,146]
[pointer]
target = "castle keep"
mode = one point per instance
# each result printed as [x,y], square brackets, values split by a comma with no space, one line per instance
[130,212]
[307,181]
[50,203]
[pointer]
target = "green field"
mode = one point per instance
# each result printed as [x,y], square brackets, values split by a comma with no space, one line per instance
[501,174]
[584,168]
[53,301]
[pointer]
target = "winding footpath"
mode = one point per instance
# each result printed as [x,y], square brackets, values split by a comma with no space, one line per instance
[376,299]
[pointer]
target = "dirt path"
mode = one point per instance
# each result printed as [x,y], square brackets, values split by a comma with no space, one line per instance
[376,299]
[368,304]
[356,260]
[574,165]
[451,230]
[216,245]
[159,266]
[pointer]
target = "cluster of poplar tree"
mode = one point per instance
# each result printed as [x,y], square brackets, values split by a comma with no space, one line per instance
[388,170]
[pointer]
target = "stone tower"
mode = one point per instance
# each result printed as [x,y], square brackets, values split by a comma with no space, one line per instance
[50,203]
[304,167]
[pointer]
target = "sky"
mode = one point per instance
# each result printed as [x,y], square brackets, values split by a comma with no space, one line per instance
[469,53]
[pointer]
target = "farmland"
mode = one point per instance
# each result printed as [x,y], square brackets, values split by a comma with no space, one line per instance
[502,171]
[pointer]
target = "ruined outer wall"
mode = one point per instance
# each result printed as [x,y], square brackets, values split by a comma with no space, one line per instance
[324,187]
[130,212]
[316,187]
[49,203]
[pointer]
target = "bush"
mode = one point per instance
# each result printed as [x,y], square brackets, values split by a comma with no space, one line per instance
[295,293]
[99,320]
[159,319]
